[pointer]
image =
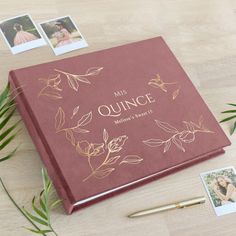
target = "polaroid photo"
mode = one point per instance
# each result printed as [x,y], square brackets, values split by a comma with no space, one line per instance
[220,185]
[21,34]
[63,35]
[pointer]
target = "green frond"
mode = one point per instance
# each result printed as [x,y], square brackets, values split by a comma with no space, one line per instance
[7,109]
[232,111]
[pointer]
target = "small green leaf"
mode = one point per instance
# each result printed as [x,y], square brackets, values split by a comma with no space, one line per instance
[45,178]
[4,95]
[9,102]
[39,231]
[6,109]
[4,122]
[229,111]
[7,141]
[9,155]
[54,204]
[8,131]
[38,211]
[49,187]
[232,104]
[35,218]
[233,129]
[42,204]
[229,118]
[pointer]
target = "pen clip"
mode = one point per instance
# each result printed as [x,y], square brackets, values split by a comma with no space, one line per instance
[191,202]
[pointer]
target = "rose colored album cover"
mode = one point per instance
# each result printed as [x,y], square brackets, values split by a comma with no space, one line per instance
[111,120]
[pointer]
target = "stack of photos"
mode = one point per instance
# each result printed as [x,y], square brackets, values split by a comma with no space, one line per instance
[21,34]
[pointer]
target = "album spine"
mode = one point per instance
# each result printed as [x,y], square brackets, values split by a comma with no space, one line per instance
[47,158]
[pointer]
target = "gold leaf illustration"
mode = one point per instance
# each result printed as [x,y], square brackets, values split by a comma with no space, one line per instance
[93,71]
[72,81]
[75,111]
[187,136]
[83,79]
[175,94]
[153,142]
[112,160]
[178,138]
[166,127]
[131,159]
[200,121]
[70,136]
[156,85]
[100,174]
[178,143]
[51,94]
[59,119]
[85,119]
[105,136]
[189,126]
[79,130]
[167,145]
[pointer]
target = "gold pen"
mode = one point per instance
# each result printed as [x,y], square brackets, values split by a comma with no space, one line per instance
[177,205]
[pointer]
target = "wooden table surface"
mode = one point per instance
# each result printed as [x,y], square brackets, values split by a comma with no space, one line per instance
[202,34]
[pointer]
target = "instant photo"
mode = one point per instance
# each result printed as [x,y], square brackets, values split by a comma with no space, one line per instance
[21,34]
[220,185]
[63,35]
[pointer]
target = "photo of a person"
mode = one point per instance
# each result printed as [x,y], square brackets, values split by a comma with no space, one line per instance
[220,185]
[22,36]
[63,35]
[224,189]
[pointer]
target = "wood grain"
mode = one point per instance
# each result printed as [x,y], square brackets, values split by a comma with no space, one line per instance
[202,34]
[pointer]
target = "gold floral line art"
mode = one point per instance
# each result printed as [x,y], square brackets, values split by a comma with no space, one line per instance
[70,131]
[75,111]
[74,79]
[178,138]
[52,84]
[107,153]
[51,88]
[157,82]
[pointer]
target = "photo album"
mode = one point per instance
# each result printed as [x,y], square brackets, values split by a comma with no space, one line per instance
[124,116]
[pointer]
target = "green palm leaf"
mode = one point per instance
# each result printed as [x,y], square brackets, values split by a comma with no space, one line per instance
[233,116]
[7,109]
[41,207]
[43,232]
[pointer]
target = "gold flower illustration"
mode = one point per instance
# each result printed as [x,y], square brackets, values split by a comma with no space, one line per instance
[105,165]
[90,149]
[116,144]
[108,161]
[178,137]
[157,82]
[187,136]
[51,88]
[60,120]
